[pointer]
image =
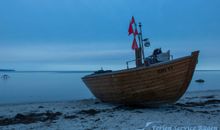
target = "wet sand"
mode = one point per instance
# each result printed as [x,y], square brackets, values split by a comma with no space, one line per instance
[192,110]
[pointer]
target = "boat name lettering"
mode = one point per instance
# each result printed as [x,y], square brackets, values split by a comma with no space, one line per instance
[163,70]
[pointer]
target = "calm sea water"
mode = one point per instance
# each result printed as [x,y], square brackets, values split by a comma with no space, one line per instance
[23,87]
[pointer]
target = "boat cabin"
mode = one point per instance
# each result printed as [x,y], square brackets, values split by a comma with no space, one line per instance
[157,56]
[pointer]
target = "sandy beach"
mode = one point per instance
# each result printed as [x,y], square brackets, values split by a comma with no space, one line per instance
[199,109]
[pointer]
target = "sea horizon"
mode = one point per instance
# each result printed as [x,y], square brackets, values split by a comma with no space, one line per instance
[85,71]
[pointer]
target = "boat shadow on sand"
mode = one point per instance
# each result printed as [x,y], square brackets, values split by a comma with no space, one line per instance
[206,105]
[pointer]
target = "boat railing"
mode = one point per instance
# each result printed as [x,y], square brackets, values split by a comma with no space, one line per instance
[127,62]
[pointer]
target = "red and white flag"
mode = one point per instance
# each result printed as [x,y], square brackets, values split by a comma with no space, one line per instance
[134,32]
[132,20]
[130,29]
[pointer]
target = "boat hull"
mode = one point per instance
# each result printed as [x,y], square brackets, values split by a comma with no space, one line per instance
[160,83]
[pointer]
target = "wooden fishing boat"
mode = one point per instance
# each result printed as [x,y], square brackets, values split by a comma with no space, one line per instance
[148,84]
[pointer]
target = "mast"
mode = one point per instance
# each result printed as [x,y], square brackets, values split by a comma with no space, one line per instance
[138,51]
[141,41]
[135,27]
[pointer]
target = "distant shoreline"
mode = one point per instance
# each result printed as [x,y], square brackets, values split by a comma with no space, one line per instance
[4,70]
[54,71]
[7,70]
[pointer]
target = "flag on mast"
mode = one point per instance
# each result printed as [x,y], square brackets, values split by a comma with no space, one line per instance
[130,29]
[132,20]
[134,32]
[134,44]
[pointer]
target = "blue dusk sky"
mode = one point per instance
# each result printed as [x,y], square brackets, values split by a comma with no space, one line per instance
[90,34]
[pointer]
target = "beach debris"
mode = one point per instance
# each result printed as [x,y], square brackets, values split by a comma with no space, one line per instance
[138,112]
[97,119]
[200,80]
[30,118]
[110,115]
[90,112]
[97,102]
[200,107]
[130,107]
[40,107]
[70,116]
[208,97]
[197,97]
[195,104]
